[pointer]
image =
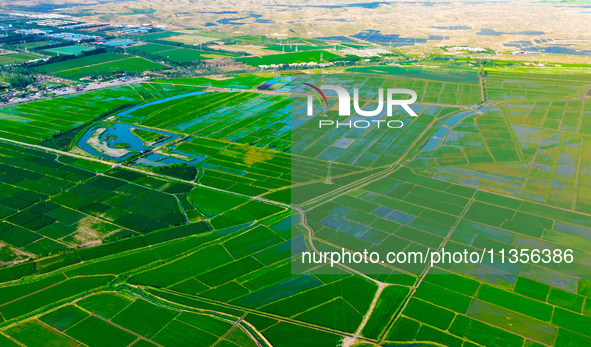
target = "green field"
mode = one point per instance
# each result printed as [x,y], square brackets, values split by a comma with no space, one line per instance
[17,58]
[317,56]
[152,48]
[180,55]
[199,241]
[175,53]
[32,45]
[104,64]
[241,81]
[156,36]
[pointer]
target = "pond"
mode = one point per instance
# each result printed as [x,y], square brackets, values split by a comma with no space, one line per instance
[115,141]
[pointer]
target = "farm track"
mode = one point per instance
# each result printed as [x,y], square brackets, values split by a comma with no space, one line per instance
[268,315]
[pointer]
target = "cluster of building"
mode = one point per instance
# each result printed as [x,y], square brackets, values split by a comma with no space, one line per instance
[79,26]
[295,65]
[51,22]
[466,49]
[133,31]
[33,31]
[41,16]
[366,52]
[138,29]
[72,36]
[67,22]
[115,43]
[75,37]
[63,36]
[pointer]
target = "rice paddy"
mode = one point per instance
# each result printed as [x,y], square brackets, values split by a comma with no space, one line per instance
[195,239]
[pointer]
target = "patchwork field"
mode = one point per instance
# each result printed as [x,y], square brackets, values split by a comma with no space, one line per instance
[263,122]
[60,206]
[175,53]
[38,121]
[197,240]
[407,212]
[240,81]
[532,146]
[104,64]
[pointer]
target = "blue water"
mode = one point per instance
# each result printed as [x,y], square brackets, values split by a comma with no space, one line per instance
[431,144]
[146,162]
[454,119]
[280,83]
[441,132]
[445,124]
[172,160]
[123,133]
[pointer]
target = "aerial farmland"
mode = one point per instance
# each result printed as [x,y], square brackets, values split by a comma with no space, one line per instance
[193,186]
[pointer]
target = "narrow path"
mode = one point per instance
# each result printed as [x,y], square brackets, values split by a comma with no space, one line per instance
[230,331]
[247,310]
[376,297]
